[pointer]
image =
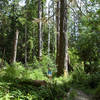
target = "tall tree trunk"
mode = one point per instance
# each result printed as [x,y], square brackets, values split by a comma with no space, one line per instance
[25,44]
[48,39]
[53,29]
[58,30]
[15,46]
[26,31]
[40,28]
[48,31]
[62,67]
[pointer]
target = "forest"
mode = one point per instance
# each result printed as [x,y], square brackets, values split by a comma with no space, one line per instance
[49,49]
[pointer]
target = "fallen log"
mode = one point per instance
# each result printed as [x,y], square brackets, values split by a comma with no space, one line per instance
[36,83]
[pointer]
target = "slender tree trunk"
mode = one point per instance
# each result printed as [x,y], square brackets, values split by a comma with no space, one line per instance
[15,46]
[2,60]
[26,32]
[40,28]
[25,44]
[74,26]
[62,67]
[33,53]
[53,29]
[48,31]
[53,9]
[48,39]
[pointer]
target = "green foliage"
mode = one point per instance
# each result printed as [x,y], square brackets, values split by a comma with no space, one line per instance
[21,92]
[74,58]
[79,76]
[86,45]
[22,20]
[97,93]
[18,71]
[80,79]
[52,91]
[13,71]
[46,61]
[84,53]
[93,80]
[71,95]
[12,88]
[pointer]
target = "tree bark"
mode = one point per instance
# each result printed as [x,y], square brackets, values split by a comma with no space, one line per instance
[53,29]
[58,30]
[25,44]
[40,28]
[48,32]
[62,67]
[15,46]
[26,32]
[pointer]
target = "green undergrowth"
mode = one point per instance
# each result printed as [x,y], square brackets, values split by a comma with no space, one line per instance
[13,84]
[87,82]
[16,83]
[15,91]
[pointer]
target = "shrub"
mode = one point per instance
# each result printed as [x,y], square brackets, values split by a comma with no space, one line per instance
[97,93]
[13,71]
[18,71]
[93,80]
[78,75]
[54,91]
[45,62]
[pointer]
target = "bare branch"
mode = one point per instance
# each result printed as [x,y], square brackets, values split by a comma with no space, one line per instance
[79,9]
[43,20]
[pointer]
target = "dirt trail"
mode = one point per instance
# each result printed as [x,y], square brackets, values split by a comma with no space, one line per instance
[79,95]
[82,96]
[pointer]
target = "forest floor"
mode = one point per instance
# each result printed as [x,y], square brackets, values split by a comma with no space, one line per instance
[79,95]
[28,86]
[25,91]
[82,96]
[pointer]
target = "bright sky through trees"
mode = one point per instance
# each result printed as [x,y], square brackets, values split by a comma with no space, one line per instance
[22,2]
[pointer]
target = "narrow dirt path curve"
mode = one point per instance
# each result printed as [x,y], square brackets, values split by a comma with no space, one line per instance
[82,96]
[79,95]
